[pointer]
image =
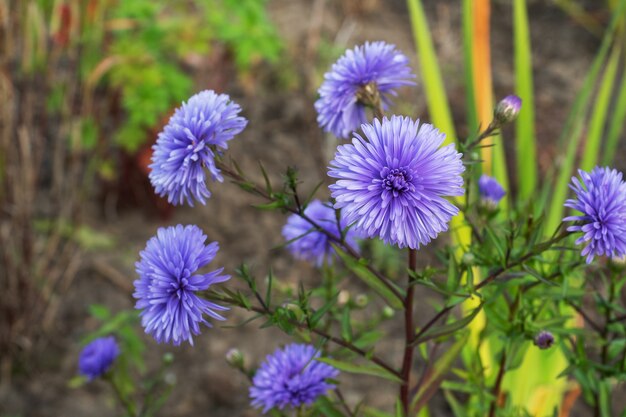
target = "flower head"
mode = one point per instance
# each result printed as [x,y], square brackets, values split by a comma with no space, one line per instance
[97,357]
[394,184]
[507,109]
[544,340]
[601,197]
[168,282]
[291,377]
[490,190]
[312,245]
[377,64]
[188,144]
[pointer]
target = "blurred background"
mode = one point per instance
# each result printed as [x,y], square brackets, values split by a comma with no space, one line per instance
[85,87]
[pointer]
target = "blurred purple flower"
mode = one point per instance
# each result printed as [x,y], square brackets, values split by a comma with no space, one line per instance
[188,144]
[167,284]
[310,244]
[544,340]
[291,377]
[97,357]
[394,184]
[377,63]
[490,190]
[601,197]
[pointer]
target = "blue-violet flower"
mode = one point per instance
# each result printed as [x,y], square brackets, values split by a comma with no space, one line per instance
[393,185]
[188,144]
[377,64]
[490,190]
[97,357]
[168,282]
[291,377]
[601,197]
[308,243]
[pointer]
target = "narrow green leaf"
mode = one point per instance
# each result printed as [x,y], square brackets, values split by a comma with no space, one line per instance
[346,327]
[361,271]
[616,126]
[327,408]
[317,316]
[370,369]
[448,328]
[431,74]
[599,114]
[470,93]
[435,377]
[525,123]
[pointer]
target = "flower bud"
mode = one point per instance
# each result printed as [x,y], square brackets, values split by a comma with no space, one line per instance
[234,358]
[388,312]
[468,259]
[343,297]
[544,340]
[361,300]
[507,109]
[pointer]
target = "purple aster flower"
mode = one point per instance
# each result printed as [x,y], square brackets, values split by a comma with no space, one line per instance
[491,192]
[544,340]
[188,144]
[377,64]
[309,244]
[97,357]
[291,376]
[168,282]
[394,184]
[601,197]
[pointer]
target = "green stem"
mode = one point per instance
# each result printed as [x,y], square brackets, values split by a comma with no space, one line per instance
[126,403]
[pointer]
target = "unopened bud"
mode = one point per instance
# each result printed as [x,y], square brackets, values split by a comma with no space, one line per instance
[468,259]
[361,300]
[387,312]
[343,297]
[168,358]
[234,357]
[544,340]
[507,109]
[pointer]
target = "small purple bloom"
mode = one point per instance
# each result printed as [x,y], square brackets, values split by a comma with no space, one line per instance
[197,132]
[601,197]
[97,357]
[544,340]
[310,244]
[167,284]
[378,64]
[291,377]
[393,185]
[491,192]
[507,109]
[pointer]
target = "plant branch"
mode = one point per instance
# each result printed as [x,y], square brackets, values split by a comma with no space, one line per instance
[259,191]
[343,343]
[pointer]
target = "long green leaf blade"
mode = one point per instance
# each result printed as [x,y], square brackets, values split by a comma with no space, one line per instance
[525,123]
[598,117]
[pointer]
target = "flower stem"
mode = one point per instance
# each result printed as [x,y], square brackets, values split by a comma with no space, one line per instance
[409,331]
[125,402]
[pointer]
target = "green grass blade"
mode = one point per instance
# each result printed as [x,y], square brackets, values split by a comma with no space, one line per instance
[573,127]
[616,125]
[431,74]
[600,109]
[525,124]
[470,93]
